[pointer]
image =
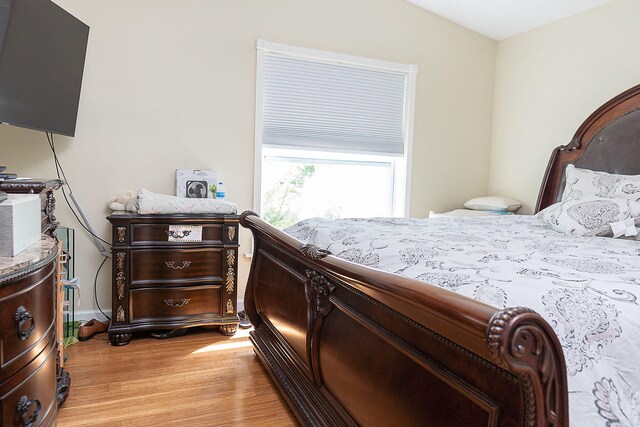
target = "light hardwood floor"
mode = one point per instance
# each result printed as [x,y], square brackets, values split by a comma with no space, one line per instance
[200,379]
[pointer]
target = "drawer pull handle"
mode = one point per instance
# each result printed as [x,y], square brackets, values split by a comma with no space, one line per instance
[184,265]
[23,409]
[182,303]
[181,234]
[23,317]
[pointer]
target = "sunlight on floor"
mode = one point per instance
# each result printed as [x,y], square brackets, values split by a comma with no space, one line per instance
[223,346]
[239,340]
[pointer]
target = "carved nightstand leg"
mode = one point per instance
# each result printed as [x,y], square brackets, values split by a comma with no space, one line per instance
[228,329]
[119,338]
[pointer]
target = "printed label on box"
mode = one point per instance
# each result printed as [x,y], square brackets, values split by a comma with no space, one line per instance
[185,233]
[195,184]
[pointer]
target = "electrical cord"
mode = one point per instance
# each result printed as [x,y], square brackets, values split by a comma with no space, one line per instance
[64,176]
[59,170]
[95,288]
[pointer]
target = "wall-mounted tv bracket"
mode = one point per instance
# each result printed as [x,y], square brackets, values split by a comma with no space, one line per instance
[7,175]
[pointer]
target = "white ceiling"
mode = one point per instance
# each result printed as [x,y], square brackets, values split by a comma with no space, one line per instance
[500,19]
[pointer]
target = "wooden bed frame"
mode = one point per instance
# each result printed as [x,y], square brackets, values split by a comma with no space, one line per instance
[350,345]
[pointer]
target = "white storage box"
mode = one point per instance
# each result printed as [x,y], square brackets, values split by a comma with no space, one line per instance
[19,223]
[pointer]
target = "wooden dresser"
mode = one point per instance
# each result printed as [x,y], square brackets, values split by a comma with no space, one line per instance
[173,272]
[28,352]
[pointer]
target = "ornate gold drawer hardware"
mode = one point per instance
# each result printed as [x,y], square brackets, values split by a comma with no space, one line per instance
[178,234]
[24,318]
[182,303]
[24,408]
[184,265]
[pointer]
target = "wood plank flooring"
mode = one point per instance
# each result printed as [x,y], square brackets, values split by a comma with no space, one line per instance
[200,379]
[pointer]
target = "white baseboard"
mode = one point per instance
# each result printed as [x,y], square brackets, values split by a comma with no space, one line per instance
[85,315]
[95,314]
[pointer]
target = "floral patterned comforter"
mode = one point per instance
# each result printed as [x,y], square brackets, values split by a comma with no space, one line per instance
[586,288]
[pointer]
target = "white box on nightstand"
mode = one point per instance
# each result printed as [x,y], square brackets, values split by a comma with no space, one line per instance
[19,223]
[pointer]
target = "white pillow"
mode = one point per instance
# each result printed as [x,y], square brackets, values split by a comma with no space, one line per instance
[589,216]
[493,203]
[467,212]
[154,203]
[585,182]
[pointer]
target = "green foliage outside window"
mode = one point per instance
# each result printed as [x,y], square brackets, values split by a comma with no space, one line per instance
[281,201]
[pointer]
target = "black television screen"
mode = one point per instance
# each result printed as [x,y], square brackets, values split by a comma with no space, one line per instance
[42,52]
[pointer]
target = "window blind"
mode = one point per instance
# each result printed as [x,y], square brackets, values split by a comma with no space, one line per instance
[332,106]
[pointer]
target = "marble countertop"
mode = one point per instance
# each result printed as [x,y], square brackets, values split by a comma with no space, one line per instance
[29,257]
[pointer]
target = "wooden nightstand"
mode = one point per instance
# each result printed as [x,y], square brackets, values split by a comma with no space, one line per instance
[173,272]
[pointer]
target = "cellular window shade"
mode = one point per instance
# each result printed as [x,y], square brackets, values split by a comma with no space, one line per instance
[330,106]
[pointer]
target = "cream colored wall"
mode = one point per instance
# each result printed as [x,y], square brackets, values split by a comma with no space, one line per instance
[548,81]
[171,84]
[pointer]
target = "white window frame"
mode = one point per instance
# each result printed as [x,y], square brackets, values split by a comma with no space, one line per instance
[400,209]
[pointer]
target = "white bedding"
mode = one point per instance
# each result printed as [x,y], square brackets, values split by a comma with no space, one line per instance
[585,287]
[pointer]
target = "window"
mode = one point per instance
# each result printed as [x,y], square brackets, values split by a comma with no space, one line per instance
[333,135]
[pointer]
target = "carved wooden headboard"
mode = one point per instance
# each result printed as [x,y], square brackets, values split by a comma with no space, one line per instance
[608,141]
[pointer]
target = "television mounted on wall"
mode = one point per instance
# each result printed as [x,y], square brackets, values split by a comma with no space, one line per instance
[42,54]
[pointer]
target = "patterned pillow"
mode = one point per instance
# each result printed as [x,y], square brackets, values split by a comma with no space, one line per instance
[589,216]
[585,182]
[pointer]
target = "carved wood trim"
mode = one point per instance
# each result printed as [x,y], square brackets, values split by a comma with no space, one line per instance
[120,257]
[522,342]
[120,338]
[230,308]
[318,288]
[231,233]
[230,280]
[120,314]
[231,272]
[314,252]
[454,347]
[120,275]
[231,258]
[30,186]
[50,207]
[52,253]
[228,329]
[122,234]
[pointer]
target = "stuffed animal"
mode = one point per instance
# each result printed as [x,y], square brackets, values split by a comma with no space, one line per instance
[127,201]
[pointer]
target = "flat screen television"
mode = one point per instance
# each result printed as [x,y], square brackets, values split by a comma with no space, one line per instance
[42,53]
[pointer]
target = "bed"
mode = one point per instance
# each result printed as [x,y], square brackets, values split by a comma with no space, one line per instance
[348,343]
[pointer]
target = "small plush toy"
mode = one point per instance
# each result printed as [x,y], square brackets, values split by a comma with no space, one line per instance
[127,201]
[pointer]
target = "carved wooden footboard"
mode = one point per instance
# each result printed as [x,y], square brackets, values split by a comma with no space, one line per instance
[350,345]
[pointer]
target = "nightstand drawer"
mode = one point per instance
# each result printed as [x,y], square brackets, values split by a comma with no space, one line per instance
[158,265]
[31,397]
[27,316]
[154,234]
[165,304]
